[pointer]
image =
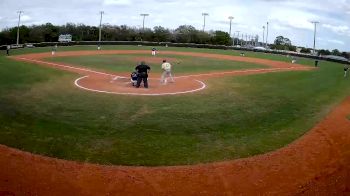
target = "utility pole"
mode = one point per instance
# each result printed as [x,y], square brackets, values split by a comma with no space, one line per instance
[100,32]
[204,15]
[19,21]
[237,37]
[267,32]
[246,39]
[143,21]
[315,27]
[263,41]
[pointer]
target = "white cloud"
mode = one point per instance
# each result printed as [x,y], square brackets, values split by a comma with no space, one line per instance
[293,18]
[26,18]
[289,18]
[336,41]
[117,2]
[339,29]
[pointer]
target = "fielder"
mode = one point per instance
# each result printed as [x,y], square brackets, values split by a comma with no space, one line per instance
[8,50]
[166,67]
[154,51]
[54,49]
[346,69]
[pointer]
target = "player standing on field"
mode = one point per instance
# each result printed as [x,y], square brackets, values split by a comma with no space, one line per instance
[54,49]
[142,74]
[154,51]
[346,69]
[166,67]
[8,50]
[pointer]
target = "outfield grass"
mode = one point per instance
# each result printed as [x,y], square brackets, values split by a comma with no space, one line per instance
[181,64]
[41,111]
[283,58]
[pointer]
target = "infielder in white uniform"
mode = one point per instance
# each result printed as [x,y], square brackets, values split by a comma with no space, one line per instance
[166,67]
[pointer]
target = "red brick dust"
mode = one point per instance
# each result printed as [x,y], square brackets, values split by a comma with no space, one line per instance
[316,164]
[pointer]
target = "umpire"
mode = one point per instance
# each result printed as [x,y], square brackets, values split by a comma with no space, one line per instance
[142,74]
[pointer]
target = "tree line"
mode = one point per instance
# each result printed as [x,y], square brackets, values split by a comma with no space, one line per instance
[284,43]
[80,32]
[183,34]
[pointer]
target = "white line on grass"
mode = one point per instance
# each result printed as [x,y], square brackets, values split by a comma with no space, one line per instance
[150,94]
[70,67]
[185,76]
[239,71]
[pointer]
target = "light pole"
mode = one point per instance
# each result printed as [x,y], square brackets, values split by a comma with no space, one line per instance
[256,39]
[315,26]
[143,21]
[267,32]
[100,31]
[237,37]
[230,18]
[263,41]
[19,21]
[246,39]
[204,15]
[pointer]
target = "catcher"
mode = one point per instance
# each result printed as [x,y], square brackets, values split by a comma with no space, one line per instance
[133,78]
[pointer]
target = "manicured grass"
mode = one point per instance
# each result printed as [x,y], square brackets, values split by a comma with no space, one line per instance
[284,58]
[42,112]
[127,63]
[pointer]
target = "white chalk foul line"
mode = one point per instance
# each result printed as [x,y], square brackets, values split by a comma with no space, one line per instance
[203,86]
[185,76]
[241,71]
[66,66]
[149,94]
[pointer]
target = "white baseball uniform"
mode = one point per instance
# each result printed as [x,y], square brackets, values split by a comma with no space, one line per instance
[166,67]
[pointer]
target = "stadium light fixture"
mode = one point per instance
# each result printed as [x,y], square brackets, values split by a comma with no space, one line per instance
[19,21]
[143,21]
[204,15]
[230,18]
[315,28]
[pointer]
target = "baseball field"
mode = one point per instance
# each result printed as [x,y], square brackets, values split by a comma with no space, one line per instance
[78,105]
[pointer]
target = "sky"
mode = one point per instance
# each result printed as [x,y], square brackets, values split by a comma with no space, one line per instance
[289,18]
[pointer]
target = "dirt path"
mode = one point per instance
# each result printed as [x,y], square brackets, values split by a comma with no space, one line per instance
[316,164]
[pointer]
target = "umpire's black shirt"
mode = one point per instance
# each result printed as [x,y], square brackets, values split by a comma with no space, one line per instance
[142,70]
